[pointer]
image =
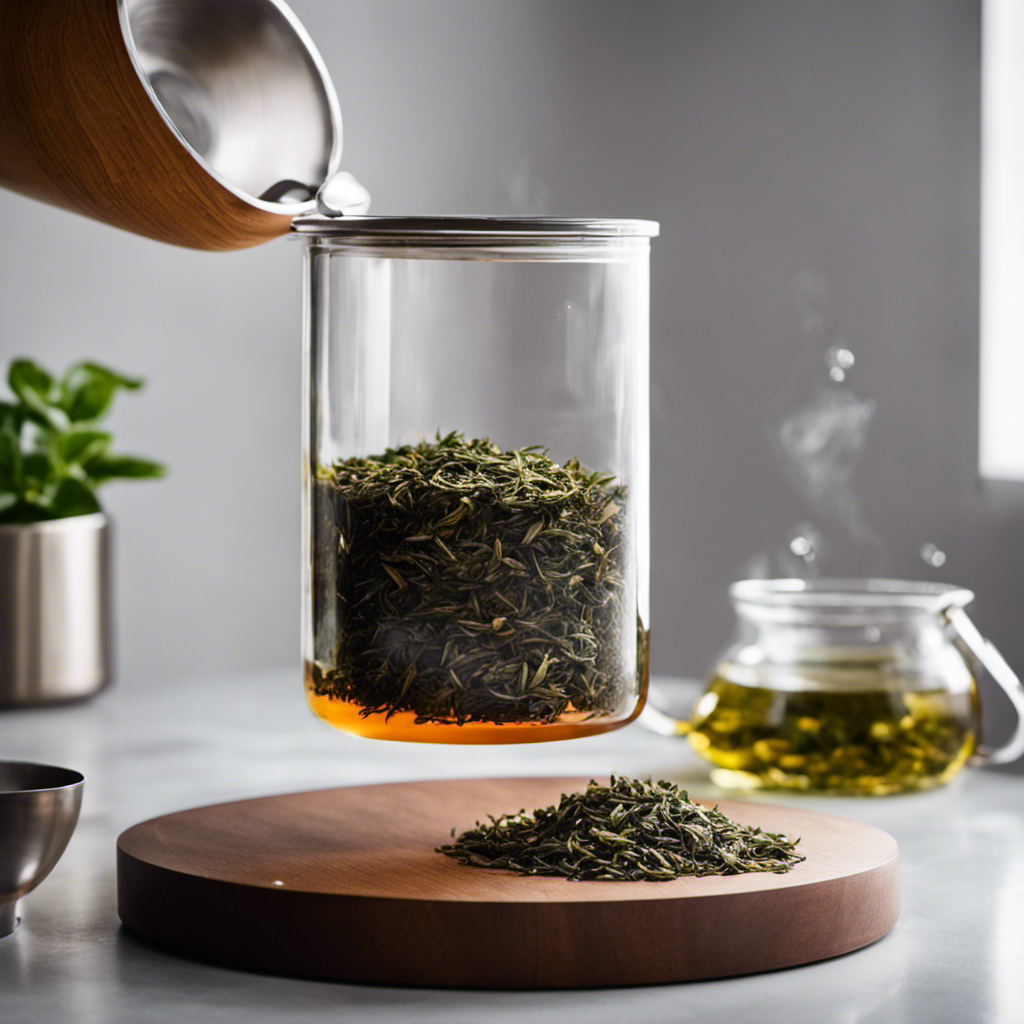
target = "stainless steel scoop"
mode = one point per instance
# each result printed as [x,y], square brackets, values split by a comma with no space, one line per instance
[203,123]
[242,83]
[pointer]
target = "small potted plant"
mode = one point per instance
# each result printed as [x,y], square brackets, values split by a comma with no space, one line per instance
[55,606]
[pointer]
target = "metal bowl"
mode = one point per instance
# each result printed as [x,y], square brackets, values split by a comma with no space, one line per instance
[203,123]
[39,806]
[242,85]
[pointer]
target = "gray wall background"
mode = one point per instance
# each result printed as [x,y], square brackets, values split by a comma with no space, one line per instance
[831,145]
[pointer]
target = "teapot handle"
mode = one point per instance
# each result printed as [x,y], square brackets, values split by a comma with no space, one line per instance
[981,652]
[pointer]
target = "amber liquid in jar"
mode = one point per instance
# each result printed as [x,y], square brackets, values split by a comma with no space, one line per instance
[859,726]
[403,725]
[348,717]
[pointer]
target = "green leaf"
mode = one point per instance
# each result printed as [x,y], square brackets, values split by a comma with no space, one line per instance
[10,415]
[78,446]
[88,389]
[18,414]
[32,384]
[23,373]
[73,498]
[90,400]
[12,478]
[115,376]
[128,467]
[50,470]
[39,470]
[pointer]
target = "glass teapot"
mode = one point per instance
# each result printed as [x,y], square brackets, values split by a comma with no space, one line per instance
[854,686]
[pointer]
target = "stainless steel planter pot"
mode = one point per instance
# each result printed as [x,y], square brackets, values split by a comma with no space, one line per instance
[55,610]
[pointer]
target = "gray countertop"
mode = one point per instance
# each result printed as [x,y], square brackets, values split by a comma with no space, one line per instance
[957,954]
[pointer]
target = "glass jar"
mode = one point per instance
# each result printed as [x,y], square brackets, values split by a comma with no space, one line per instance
[476,476]
[853,686]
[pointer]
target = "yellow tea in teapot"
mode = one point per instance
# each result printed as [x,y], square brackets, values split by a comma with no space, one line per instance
[851,725]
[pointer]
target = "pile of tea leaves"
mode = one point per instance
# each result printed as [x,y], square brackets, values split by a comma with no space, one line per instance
[631,830]
[476,585]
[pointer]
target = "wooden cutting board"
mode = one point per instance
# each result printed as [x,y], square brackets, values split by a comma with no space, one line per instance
[345,884]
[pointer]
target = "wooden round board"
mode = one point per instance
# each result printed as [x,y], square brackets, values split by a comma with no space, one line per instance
[345,884]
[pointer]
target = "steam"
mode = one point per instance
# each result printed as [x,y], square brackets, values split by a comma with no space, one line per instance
[821,442]
[933,556]
[839,361]
[523,192]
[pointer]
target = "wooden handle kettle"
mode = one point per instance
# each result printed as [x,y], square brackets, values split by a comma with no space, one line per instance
[203,123]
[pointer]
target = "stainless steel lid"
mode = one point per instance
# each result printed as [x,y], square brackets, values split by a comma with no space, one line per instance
[471,231]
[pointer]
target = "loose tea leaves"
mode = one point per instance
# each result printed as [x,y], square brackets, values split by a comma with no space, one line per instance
[477,585]
[631,830]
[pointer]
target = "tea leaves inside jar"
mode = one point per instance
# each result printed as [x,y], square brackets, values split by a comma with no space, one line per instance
[630,830]
[475,585]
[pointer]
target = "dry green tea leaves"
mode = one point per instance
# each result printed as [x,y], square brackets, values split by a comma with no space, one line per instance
[631,830]
[476,585]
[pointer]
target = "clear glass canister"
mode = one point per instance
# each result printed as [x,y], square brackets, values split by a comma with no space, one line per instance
[476,476]
[856,686]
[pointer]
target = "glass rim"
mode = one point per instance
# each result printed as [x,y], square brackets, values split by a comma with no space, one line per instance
[839,595]
[470,231]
